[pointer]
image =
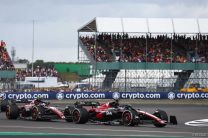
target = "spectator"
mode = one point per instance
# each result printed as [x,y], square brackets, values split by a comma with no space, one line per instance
[125,48]
[5,60]
[37,72]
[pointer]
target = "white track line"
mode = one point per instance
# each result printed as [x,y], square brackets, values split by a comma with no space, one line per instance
[84,129]
[198,123]
[69,134]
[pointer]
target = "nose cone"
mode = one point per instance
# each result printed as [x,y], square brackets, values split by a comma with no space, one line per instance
[163,122]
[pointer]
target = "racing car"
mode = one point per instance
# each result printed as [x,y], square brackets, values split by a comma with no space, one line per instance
[114,113]
[35,110]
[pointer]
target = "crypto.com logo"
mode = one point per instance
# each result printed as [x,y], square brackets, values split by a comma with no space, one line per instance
[3,96]
[116,95]
[171,95]
[60,96]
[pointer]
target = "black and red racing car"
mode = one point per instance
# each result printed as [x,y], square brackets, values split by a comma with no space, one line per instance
[114,113]
[35,110]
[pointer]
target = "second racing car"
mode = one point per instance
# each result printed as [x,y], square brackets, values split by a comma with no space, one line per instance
[35,110]
[114,113]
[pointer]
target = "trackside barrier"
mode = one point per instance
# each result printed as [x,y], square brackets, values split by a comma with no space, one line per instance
[103,95]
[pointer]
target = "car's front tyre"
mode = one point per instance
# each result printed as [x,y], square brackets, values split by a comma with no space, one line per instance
[80,115]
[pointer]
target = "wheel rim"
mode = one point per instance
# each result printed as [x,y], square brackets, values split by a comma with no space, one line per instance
[35,114]
[23,114]
[127,118]
[76,116]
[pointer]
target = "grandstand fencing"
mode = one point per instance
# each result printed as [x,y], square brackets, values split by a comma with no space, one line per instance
[148,80]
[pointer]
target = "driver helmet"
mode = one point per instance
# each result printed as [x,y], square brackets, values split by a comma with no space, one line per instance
[38,99]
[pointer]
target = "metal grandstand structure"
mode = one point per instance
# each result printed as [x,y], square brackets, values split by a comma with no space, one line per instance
[144,76]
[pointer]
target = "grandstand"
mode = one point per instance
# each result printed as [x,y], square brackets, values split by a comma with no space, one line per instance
[139,54]
[7,73]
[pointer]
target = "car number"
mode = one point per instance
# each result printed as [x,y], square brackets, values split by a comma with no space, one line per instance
[108,113]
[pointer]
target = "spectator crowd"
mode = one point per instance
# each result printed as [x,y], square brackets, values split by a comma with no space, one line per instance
[157,48]
[57,89]
[5,60]
[37,72]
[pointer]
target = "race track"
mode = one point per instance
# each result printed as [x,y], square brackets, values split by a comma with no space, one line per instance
[184,113]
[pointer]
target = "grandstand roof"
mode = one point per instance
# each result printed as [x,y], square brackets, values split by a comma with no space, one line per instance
[146,25]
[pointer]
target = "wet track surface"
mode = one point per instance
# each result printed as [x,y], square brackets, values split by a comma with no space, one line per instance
[184,113]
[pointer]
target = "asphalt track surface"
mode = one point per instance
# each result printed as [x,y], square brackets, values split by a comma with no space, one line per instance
[60,128]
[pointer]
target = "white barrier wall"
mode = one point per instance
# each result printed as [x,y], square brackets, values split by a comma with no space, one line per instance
[40,82]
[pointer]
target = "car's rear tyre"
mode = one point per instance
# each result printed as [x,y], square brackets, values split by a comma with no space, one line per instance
[162,115]
[4,104]
[36,112]
[12,111]
[130,118]
[80,115]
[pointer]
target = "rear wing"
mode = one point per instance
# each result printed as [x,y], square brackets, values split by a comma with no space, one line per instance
[86,103]
[23,101]
[19,101]
[5,103]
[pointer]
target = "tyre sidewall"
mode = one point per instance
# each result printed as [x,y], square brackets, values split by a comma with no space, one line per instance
[12,111]
[83,115]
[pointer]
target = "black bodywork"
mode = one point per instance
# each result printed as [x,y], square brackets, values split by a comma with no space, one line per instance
[113,113]
[33,110]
